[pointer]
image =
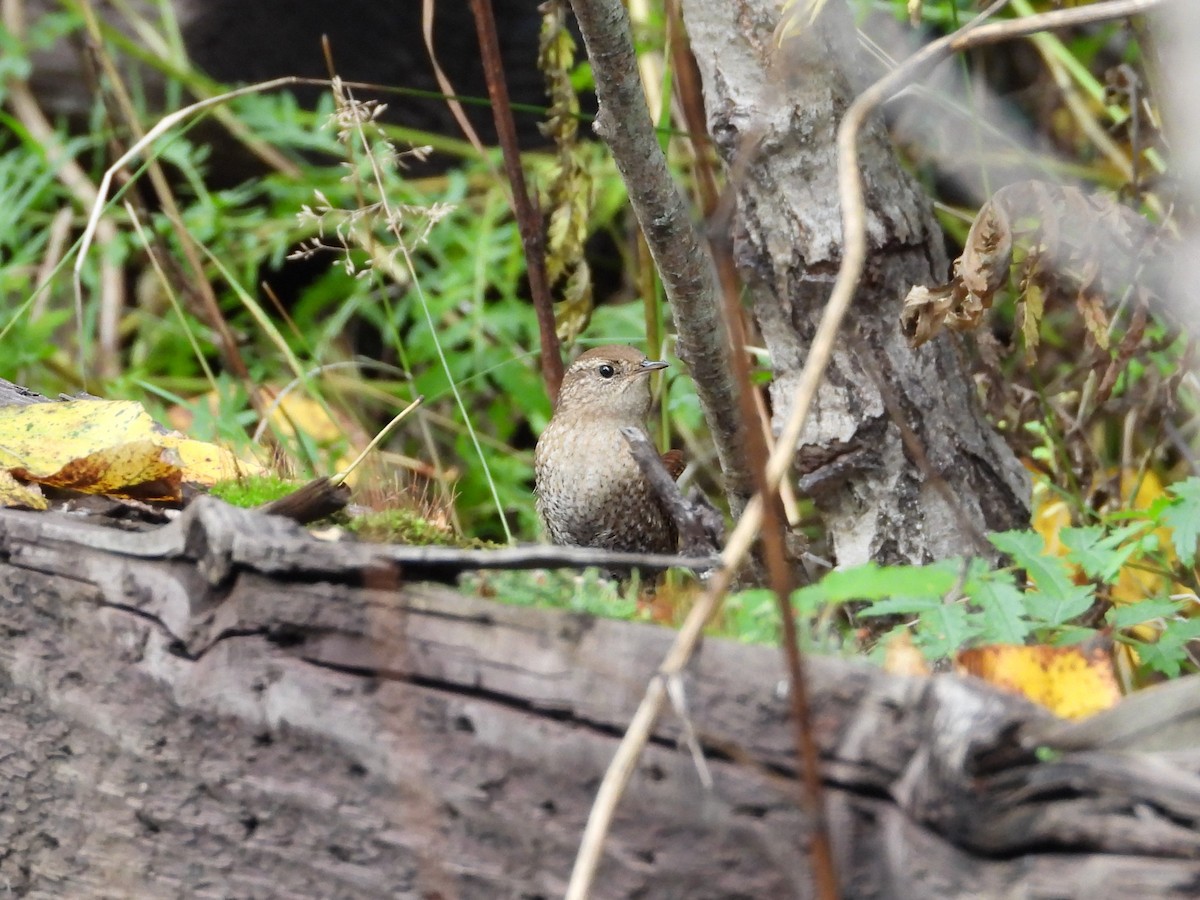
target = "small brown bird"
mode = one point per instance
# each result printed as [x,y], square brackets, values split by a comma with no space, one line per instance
[590,490]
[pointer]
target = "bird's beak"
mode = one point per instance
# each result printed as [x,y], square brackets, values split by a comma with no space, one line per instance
[649,365]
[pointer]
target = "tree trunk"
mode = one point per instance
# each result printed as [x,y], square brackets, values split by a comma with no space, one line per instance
[880,502]
[221,708]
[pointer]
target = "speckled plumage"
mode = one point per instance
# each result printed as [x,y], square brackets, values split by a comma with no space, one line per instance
[590,491]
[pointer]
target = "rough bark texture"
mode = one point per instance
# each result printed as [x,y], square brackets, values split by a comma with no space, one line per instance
[878,502]
[217,709]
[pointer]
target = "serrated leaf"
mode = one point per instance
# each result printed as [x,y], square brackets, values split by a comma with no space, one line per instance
[1003,611]
[1049,573]
[902,606]
[1097,552]
[944,629]
[1183,518]
[1137,613]
[1168,654]
[1058,607]
[1022,546]
[1070,635]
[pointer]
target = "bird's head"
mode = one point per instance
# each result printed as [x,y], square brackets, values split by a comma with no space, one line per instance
[609,381]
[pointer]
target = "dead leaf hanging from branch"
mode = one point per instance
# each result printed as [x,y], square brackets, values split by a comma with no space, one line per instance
[1069,246]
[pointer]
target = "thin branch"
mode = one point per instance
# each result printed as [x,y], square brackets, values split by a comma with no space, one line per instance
[696,539]
[529,219]
[684,262]
[199,288]
[781,573]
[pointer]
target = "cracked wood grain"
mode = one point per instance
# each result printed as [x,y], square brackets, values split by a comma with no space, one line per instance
[219,720]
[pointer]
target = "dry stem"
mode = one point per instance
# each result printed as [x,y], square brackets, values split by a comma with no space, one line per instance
[737,547]
[529,220]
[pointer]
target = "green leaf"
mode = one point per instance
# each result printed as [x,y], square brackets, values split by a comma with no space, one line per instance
[1069,635]
[1183,518]
[1098,552]
[1136,613]
[902,606]
[1022,546]
[1057,598]
[1168,654]
[944,630]
[1004,617]
[1060,606]
[872,582]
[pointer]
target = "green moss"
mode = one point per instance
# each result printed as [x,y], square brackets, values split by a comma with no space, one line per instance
[586,593]
[253,490]
[401,526]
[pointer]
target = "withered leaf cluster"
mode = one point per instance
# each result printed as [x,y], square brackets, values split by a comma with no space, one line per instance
[1068,246]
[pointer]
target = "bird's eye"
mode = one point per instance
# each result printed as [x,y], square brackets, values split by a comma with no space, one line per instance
[606,371]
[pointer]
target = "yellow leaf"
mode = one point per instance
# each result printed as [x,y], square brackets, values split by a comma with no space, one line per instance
[902,656]
[297,411]
[1134,582]
[1072,682]
[13,493]
[1051,514]
[107,447]
[43,437]
[206,464]
[139,469]
[1033,305]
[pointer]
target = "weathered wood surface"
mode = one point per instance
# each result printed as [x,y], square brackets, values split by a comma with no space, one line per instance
[218,709]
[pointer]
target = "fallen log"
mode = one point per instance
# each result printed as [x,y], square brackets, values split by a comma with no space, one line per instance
[225,706]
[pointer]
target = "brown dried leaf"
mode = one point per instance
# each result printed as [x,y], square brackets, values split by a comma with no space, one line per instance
[1095,319]
[1083,247]
[983,266]
[925,312]
[1125,351]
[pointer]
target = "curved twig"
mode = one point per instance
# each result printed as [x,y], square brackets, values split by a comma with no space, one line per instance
[854,255]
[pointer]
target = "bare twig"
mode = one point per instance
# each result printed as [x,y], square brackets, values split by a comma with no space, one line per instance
[683,261]
[696,539]
[199,285]
[165,124]
[529,220]
[782,575]
[780,566]
[688,736]
[737,548]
